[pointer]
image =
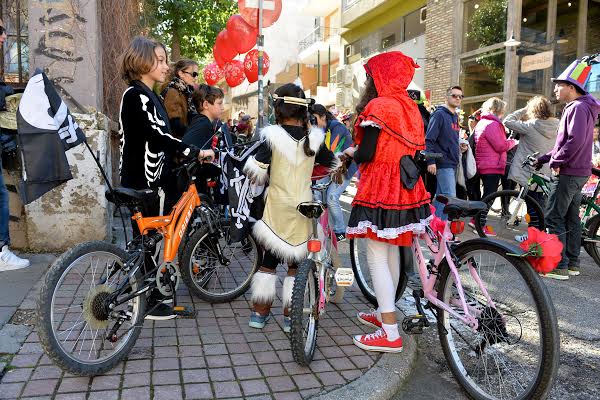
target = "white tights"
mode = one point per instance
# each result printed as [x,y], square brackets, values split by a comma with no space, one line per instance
[384,265]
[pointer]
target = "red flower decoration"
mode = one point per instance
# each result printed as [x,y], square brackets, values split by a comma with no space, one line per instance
[213,73]
[251,65]
[234,73]
[544,250]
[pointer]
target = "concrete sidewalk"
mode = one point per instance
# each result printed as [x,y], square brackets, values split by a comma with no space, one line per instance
[215,355]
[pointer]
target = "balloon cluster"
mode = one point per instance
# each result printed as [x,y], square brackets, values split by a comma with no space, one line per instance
[239,37]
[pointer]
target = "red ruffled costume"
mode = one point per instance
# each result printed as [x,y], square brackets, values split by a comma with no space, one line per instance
[383,209]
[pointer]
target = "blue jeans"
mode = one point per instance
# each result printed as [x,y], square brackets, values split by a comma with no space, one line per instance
[446,185]
[334,192]
[4,213]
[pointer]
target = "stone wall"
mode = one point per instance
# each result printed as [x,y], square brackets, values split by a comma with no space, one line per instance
[74,212]
[439,48]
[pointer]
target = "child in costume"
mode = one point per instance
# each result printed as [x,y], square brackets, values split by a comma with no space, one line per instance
[285,161]
[389,204]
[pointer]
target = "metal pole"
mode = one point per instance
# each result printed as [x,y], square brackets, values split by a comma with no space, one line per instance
[318,68]
[260,44]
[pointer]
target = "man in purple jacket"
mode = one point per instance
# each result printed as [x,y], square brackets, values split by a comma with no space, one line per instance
[571,161]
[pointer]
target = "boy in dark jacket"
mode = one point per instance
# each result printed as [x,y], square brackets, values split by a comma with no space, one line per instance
[571,161]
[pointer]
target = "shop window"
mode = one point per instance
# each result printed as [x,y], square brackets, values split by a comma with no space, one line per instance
[534,23]
[484,23]
[391,34]
[593,28]
[414,24]
[483,74]
[566,34]
[14,62]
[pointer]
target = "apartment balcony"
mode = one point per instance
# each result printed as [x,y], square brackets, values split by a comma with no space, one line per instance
[356,12]
[320,8]
[320,46]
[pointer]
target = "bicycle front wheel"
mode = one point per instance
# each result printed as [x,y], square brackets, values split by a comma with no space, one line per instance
[514,352]
[358,259]
[76,328]
[591,241]
[509,216]
[214,269]
[304,313]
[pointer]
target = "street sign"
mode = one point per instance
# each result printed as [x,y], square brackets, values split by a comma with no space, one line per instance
[267,4]
[537,61]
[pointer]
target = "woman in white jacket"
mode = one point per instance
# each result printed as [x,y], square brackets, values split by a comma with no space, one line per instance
[537,130]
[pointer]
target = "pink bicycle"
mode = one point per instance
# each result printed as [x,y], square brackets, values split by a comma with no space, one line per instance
[319,279]
[496,321]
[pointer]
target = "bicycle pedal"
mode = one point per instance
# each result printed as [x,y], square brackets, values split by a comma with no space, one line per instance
[414,324]
[184,312]
[344,277]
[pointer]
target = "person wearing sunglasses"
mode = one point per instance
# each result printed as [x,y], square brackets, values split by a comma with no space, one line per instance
[177,95]
[442,137]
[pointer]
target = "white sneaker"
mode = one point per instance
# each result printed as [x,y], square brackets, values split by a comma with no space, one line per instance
[9,261]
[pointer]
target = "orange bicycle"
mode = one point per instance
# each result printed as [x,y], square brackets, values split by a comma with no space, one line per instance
[92,302]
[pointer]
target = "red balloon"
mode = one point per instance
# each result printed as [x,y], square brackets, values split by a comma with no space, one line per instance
[218,59]
[251,65]
[271,12]
[241,34]
[234,73]
[224,46]
[213,73]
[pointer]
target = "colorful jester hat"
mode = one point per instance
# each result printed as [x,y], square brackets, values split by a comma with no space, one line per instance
[578,73]
[542,250]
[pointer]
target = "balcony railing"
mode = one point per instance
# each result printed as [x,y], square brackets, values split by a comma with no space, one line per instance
[319,34]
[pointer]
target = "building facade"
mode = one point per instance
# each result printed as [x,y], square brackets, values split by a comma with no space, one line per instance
[466,40]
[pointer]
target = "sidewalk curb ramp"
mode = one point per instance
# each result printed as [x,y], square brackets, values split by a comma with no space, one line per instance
[383,380]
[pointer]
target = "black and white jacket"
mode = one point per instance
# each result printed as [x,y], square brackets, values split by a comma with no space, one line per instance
[146,139]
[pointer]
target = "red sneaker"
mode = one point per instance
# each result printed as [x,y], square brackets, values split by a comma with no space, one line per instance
[369,319]
[378,341]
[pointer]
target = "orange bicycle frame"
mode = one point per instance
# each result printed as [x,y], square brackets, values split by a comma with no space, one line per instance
[172,226]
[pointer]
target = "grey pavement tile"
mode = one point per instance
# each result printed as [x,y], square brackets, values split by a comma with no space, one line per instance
[287,396]
[332,351]
[331,378]
[71,396]
[191,351]
[165,341]
[106,382]
[10,390]
[352,350]
[104,395]
[161,352]
[17,375]
[190,331]
[308,393]
[221,374]
[33,337]
[214,330]
[224,322]
[212,338]
[306,381]
[198,391]
[362,361]
[31,348]
[320,366]
[46,372]
[186,323]
[192,362]
[281,383]
[234,338]
[40,388]
[137,379]
[341,363]
[280,344]
[342,340]
[137,366]
[138,393]
[165,378]
[285,355]
[165,332]
[259,347]
[75,384]
[195,376]
[25,360]
[189,340]
[242,359]
[236,348]
[140,353]
[145,342]
[165,364]
[266,357]
[227,390]
[254,387]
[247,372]
[215,349]
[167,392]
[270,370]
[218,361]
[352,374]
[45,360]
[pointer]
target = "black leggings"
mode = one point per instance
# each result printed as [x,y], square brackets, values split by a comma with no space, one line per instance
[271,261]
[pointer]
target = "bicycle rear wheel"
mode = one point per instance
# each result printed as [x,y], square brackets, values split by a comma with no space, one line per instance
[515,351]
[512,222]
[218,277]
[73,318]
[591,241]
[358,259]
[304,313]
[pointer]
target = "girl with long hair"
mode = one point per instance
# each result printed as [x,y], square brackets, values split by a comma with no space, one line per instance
[177,94]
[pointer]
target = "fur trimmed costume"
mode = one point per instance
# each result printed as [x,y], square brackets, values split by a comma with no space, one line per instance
[282,163]
[177,97]
[383,209]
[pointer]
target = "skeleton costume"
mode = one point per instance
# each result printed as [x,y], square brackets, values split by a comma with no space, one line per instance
[282,231]
[146,140]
